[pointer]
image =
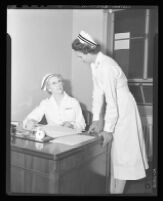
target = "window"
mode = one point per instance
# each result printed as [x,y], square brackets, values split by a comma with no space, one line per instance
[134,31]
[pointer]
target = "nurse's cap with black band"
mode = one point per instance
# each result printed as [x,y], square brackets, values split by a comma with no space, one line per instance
[86,38]
[45,79]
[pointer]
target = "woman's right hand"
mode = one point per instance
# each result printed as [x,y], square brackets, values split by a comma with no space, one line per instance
[96,127]
[30,124]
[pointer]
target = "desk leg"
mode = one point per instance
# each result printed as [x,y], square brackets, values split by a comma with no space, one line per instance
[108,167]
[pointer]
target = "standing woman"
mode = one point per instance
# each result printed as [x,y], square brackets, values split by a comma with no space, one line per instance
[122,121]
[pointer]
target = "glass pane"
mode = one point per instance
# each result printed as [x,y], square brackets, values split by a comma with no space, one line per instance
[135,90]
[148,93]
[122,57]
[131,60]
[131,20]
[136,58]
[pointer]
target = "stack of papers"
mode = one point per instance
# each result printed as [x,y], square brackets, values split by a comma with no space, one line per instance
[56,131]
[73,139]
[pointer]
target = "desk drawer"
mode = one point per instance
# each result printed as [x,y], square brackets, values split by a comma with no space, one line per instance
[33,163]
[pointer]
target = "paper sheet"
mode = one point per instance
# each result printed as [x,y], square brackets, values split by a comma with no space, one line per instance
[124,35]
[73,139]
[122,44]
[56,131]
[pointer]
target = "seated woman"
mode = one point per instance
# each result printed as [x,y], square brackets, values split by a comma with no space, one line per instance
[59,108]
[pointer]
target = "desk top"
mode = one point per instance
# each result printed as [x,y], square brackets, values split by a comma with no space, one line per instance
[50,150]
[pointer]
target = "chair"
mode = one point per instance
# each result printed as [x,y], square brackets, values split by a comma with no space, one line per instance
[88,118]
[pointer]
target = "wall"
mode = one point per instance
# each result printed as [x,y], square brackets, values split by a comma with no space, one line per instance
[40,44]
[91,21]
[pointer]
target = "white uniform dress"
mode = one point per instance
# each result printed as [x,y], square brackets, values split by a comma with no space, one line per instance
[69,110]
[121,117]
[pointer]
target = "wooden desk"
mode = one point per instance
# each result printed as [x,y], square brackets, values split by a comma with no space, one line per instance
[54,168]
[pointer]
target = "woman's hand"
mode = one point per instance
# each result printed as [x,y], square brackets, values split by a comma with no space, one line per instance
[68,124]
[96,127]
[107,137]
[30,124]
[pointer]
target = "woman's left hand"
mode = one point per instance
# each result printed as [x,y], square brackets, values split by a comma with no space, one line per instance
[67,124]
[107,137]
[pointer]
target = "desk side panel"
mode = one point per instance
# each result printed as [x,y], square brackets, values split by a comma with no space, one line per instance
[30,174]
[89,176]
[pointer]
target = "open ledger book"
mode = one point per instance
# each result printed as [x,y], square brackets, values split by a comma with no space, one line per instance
[66,135]
[56,131]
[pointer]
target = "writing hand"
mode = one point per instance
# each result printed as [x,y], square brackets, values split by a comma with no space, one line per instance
[67,124]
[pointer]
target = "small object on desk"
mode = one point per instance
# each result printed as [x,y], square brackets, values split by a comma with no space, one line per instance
[39,133]
[23,132]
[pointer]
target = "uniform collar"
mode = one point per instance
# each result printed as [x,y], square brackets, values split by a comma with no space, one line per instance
[98,60]
[64,97]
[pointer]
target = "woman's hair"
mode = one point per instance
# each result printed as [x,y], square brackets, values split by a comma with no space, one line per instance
[85,48]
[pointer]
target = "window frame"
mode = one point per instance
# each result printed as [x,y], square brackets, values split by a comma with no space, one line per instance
[145,80]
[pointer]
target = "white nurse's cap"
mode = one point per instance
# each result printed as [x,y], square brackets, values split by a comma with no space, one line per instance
[45,79]
[86,38]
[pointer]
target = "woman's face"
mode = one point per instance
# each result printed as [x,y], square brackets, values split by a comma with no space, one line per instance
[84,57]
[55,85]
